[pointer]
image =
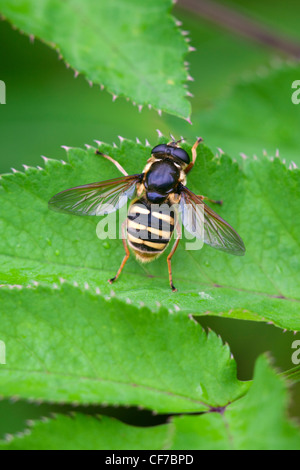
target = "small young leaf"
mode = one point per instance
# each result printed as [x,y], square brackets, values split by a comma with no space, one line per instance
[256,422]
[261,201]
[292,375]
[132,48]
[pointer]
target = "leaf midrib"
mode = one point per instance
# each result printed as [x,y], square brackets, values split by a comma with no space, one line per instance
[114,382]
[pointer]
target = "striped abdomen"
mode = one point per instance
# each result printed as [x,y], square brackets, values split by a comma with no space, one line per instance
[149,229]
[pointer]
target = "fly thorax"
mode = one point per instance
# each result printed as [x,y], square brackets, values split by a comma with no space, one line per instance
[161,180]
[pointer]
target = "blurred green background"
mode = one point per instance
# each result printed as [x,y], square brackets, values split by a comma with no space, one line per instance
[47,108]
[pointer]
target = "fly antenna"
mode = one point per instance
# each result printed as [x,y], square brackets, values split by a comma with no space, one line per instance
[175,142]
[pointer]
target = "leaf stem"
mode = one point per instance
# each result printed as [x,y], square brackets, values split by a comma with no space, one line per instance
[241,24]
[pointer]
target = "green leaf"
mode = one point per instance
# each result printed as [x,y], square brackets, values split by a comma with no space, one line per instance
[83,432]
[256,422]
[260,115]
[42,246]
[133,49]
[65,345]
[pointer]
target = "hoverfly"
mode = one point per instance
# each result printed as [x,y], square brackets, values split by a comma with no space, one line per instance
[163,181]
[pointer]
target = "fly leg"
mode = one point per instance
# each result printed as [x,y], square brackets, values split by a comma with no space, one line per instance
[117,164]
[178,231]
[194,155]
[220,203]
[127,254]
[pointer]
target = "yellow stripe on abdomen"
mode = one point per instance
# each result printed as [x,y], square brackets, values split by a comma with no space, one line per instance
[165,217]
[148,233]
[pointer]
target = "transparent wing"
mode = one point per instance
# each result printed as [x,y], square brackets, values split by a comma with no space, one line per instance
[96,198]
[204,223]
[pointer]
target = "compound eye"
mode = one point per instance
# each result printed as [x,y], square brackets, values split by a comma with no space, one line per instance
[181,154]
[162,148]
